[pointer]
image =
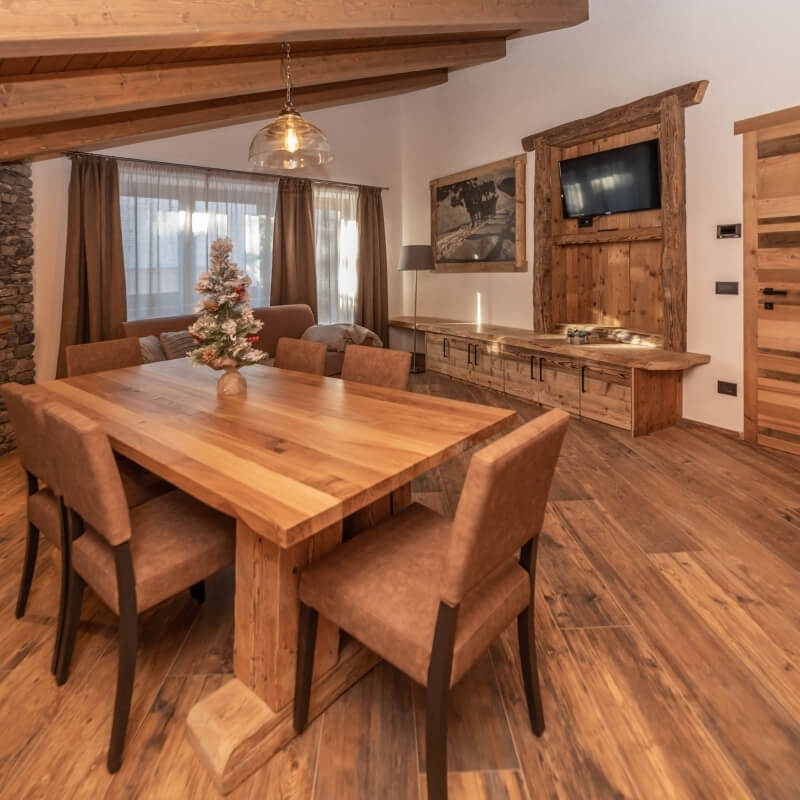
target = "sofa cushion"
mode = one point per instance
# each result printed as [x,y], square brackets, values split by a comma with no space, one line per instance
[151,349]
[338,336]
[177,344]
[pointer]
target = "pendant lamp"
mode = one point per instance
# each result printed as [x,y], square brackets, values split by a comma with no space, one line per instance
[289,142]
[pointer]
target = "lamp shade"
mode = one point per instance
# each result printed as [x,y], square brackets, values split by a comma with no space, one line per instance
[415,257]
[289,142]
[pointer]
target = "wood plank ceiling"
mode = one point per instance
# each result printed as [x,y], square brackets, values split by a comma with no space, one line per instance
[94,73]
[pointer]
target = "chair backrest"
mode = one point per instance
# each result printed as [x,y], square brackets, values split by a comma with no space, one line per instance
[502,503]
[376,365]
[301,356]
[25,404]
[87,472]
[97,356]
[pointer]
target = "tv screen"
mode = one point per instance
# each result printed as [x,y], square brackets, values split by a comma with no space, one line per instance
[613,181]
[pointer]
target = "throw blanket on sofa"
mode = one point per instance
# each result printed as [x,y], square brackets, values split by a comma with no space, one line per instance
[337,337]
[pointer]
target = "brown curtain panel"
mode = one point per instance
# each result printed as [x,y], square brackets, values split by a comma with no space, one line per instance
[294,269]
[94,304]
[372,297]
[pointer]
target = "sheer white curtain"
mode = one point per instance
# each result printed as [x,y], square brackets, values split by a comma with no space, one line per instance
[336,252]
[171,214]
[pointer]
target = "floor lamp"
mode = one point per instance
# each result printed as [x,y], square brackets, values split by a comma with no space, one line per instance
[415,258]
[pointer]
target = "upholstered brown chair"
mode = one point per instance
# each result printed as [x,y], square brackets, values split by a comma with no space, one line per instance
[82,359]
[301,356]
[429,595]
[98,356]
[45,511]
[133,559]
[376,365]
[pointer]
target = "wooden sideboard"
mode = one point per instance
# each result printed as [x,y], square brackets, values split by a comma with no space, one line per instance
[631,386]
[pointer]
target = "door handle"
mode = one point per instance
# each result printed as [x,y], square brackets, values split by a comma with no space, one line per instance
[475,355]
[541,360]
[775,292]
[583,378]
[533,358]
[469,353]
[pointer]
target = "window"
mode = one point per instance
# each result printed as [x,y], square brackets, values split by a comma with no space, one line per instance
[171,214]
[336,252]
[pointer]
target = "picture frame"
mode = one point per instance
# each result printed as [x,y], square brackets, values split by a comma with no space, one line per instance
[478,218]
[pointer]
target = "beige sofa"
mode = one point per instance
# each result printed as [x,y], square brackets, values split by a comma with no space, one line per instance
[290,320]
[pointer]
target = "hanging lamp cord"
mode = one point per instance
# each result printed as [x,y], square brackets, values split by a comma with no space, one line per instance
[286,48]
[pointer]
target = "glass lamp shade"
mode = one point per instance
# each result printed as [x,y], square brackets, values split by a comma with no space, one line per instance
[289,142]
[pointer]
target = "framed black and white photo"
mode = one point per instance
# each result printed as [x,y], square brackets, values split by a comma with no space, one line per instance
[478,218]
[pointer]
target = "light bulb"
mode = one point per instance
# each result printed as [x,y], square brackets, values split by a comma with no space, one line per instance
[292,142]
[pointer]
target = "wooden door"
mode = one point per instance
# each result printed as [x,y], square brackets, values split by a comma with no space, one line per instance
[560,383]
[437,353]
[772,282]
[606,394]
[521,373]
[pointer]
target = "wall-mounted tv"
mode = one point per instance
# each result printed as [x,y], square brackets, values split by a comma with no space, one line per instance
[612,181]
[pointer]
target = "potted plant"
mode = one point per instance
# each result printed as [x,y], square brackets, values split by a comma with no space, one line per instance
[226,328]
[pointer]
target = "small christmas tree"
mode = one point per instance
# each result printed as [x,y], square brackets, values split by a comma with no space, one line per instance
[226,329]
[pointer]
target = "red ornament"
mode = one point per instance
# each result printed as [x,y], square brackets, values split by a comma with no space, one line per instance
[252,338]
[195,337]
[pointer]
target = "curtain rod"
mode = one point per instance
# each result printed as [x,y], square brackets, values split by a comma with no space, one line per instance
[71,153]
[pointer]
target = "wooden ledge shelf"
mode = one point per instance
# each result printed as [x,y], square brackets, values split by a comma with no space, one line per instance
[603,237]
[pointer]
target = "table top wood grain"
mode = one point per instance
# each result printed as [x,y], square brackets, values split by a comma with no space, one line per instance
[294,455]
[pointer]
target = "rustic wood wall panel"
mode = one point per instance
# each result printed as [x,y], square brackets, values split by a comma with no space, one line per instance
[673,210]
[542,235]
[625,270]
[593,280]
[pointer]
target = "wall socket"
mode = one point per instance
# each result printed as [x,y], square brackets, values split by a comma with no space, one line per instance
[726,387]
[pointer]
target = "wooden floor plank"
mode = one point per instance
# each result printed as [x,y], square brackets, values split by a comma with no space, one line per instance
[730,622]
[367,746]
[662,741]
[576,595]
[734,706]
[578,755]
[493,785]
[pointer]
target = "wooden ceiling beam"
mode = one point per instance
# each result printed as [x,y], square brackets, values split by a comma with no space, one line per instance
[638,114]
[60,27]
[129,127]
[34,98]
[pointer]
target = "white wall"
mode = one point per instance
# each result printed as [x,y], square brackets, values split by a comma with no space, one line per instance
[628,49]
[365,138]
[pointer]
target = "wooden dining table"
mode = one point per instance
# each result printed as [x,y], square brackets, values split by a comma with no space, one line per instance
[297,460]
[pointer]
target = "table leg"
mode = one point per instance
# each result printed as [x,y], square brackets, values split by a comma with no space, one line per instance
[242,725]
[267,610]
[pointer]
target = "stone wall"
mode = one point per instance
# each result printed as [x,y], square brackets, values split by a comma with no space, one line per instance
[16,283]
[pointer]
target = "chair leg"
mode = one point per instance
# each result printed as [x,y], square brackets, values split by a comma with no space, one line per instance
[71,620]
[306,642]
[530,671]
[198,592]
[62,603]
[28,566]
[436,742]
[438,691]
[128,642]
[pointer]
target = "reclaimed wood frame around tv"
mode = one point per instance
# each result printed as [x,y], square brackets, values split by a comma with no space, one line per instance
[638,260]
